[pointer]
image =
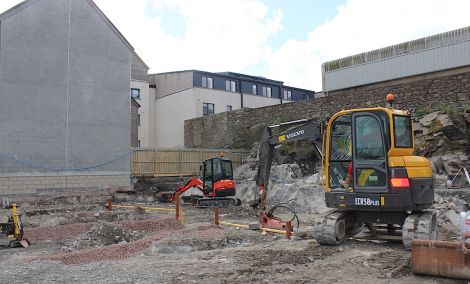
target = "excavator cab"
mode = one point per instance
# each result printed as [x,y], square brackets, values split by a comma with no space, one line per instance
[218,177]
[389,185]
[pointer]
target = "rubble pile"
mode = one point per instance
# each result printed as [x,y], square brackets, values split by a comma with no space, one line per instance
[448,209]
[205,237]
[286,184]
[105,234]
[443,137]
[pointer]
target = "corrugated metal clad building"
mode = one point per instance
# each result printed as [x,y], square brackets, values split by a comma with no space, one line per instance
[434,53]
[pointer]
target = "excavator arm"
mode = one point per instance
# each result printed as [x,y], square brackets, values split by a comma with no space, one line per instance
[308,129]
[194,182]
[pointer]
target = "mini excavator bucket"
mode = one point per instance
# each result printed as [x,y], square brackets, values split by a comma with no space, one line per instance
[441,258]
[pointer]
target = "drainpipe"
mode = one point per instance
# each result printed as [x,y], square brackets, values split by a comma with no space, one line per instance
[241,93]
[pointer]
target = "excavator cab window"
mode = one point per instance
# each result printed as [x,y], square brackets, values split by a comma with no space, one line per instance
[208,175]
[402,131]
[340,150]
[227,168]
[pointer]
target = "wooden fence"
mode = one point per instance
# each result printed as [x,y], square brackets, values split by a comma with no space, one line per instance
[151,162]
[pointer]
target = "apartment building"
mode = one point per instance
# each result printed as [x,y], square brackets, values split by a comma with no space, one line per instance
[189,94]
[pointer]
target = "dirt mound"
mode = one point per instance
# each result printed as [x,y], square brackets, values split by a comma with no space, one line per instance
[205,237]
[121,250]
[105,234]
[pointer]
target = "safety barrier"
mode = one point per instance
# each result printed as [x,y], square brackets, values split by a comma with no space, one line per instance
[179,213]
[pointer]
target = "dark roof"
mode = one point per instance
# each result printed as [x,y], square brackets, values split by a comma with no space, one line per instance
[226,74]
[23,5]
[250,77]
[238,76]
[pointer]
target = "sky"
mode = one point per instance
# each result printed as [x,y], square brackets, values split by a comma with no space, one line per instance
[278,39]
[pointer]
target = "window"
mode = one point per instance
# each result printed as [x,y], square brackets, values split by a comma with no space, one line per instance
[340,149]
[208,82]
[402,126]
[138,143]
[135,93]
[138,119]
[255,91]
[230,85]
[207,109]
[369,144]
[370,177]
[267,92]
[229,108]
[287,95]
[228,171]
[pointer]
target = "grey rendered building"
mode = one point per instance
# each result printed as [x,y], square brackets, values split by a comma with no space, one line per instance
[65,107]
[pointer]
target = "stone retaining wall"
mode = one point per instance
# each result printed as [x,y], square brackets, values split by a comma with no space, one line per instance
[420,94]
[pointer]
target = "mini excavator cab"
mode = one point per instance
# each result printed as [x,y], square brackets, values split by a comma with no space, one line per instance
[218,177]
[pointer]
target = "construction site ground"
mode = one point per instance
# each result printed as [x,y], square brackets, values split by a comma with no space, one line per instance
[85,243]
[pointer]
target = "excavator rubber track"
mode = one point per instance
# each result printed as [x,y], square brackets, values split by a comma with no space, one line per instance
[419,226]
[339,225]
[217,202]
[336,226]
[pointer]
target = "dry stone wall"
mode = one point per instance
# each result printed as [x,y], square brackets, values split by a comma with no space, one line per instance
[419,94]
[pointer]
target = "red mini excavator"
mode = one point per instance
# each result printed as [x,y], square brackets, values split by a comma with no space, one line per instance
[217,185]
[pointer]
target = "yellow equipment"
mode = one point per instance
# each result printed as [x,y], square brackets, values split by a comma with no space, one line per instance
[390,189]
[11,229]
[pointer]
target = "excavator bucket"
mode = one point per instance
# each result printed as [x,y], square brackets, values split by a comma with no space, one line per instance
[441,258]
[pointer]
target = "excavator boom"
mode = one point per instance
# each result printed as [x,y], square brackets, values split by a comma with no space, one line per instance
[308,129]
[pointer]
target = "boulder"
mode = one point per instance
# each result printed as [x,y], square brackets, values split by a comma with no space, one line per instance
[454,129]
[452,216]
[419,129]
[459,205]
[439,165]
[427,119]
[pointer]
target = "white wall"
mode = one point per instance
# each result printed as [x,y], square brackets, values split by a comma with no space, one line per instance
[253,101]
[219,98]
[145,112]
[171,112]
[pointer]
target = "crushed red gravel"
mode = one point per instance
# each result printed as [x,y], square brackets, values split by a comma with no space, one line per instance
[160,228]
[151,225]
[112,252]
[57,233]
[71,231]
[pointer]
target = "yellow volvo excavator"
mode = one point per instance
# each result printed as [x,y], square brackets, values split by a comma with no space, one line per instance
[390,188]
